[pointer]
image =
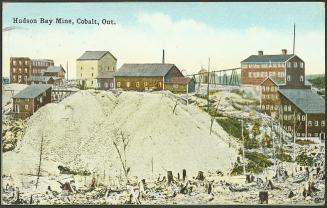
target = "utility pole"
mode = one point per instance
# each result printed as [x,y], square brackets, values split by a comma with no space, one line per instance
[294,137]
[208,86]
[274,153]
[294,40]
[67,70]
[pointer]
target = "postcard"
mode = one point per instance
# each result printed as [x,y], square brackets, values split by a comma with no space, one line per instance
[163,103]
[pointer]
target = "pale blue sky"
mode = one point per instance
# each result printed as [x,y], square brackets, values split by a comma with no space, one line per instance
[189,32]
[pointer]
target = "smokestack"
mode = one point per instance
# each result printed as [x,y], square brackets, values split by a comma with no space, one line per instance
[260,53]
[284,51]
[163,56]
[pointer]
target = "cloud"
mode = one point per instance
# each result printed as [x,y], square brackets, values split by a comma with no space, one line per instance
[188,43]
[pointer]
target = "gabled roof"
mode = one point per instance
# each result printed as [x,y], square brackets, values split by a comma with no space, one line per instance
[267,58]
[274,80]
[54,69]
[94,55]
[144,70]
[32,91]
[305,99]
[180,80]
[105,75]
[40,78]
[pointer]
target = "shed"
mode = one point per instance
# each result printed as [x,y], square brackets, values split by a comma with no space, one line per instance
[180,85]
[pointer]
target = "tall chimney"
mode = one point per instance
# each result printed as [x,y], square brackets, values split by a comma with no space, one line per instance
[163,56]
[284,51]
[260,53]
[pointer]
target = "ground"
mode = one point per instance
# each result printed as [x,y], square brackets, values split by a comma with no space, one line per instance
[164,134]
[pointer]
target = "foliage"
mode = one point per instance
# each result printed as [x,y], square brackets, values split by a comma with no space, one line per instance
[318,82]
[234,126]
[266,141]
[66,170]
[282,155]
[255,129]
[251,143]
[304,142]
[304,159]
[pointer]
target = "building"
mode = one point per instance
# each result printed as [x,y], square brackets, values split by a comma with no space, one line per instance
[180,85]
[105,80]
[29,100]
[269,95]
[90,64]
[20,68]
[39,66]
[286,68]
[203,75]
[55,71]
[45,80]
[304,111]
[140,77]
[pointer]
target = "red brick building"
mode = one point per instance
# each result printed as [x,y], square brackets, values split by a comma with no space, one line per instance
[20,68]
[288,69]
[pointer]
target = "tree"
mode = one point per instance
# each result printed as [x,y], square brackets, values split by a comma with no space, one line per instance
[121,142]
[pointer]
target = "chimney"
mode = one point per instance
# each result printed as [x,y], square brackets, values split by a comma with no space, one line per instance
[284,51]
[260,53]
[163,56]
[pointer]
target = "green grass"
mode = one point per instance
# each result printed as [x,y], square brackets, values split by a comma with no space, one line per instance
[304,159]
[281,154]
[304,142]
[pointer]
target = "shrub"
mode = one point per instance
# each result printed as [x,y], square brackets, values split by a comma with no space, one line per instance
[304,142]
[282,155]
[304,159]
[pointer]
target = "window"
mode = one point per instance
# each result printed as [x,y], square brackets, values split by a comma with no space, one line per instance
[309,135]
[14,78]
[301,65]
[26,107]
[289,108]
[118,84]
[316,123]
[303,134]
[309,123]
[245,65]
[295,64]
[267,96]
[263,107]
[262,74]
[289,64]
[272,107]
[92,68]
[137,84]
[25,70]
[41,100]
[92,75]
[105,84]
[145,84]
[322,123]
[263,96]
[267,107]
[289,117]
[267,88]
[285,117]
[303,118]
[159,83]
[289,128]
[91,82]
[111,85]
[316,134]
[298,117]
[14,70]
[25,78]
[250,74]
[20,62]
[81,74]
[81,68]
[288,78]
[263,88]
[276,107]
[301,78]
[298,134]
[14,63]
[272,88]
[128,84]
[285,107]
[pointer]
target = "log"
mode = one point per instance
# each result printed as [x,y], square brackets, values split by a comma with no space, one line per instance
[170,177]
[263,197]
[200,176]
[184,174]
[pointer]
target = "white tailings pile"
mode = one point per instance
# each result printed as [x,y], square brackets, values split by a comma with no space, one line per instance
[78,133]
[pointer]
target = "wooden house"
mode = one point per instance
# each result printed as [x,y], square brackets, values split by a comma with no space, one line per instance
[55,71]
[141,77]
[105,80]
[29,100]
[180,85]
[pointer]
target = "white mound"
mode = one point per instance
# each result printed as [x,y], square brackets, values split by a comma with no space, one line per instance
[78,133]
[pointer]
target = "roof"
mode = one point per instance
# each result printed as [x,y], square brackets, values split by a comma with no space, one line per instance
[94,55]
[40,78]
[45,60]
[54,69]
[275,80]
[105,75]
[267,58]
[180,80]
[144,70]
[32,91]
[305,99]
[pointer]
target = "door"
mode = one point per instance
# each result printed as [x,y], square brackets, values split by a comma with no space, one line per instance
[17,108]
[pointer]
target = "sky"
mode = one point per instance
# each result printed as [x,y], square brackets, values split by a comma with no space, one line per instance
[190,33]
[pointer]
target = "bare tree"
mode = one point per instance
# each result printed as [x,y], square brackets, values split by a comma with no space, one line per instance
[215,115]
[39,168]
[121,142]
